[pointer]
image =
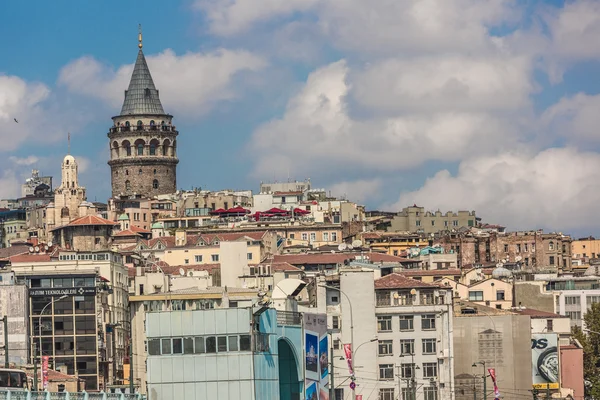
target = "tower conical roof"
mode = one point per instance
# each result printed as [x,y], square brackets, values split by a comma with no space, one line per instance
[141,97]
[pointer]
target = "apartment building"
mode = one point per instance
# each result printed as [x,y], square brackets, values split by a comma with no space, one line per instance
[416,219]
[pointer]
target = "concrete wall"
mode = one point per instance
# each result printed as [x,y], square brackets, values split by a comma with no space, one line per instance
[234,260]
[14,302]
[503,342]
[533,295]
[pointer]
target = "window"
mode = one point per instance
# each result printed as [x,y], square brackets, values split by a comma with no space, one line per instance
[292,236]
[428,322]
[305,236]
[572,300]
[430,393]
[166,346]
[211,344]
[155,184]
[432,222]
[506,248]
[500,295]
[551,246]
[214,257]
[384,324]
[429,346]
[337,344]
[549,325]
[198,258]
[418,223]
[326,236]
[245,342]
[339,394]
[222,344]
[233,343]
[127,185]
[154,347]
[429,370]
[140,149]
[188,345]
[386,372]
[386,394]
[407,346]
[573,315]
[407,370]
[385,347]
[335,322]
[475,295]
[313,237]
[518,247]
[186,261]
[177,346]
[334,236]
[551,260]
[455,223]
[334,299]
[407,394]
[407,323]
[249,256]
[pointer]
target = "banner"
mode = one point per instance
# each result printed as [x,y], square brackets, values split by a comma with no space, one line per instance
[492,373]
[348,352]
[544,361]
[45,372]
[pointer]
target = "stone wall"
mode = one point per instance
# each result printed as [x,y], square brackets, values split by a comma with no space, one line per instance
[165,173]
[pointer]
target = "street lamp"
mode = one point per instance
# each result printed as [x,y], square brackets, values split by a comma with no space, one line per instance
[351,334]
[35,384]
[484,377]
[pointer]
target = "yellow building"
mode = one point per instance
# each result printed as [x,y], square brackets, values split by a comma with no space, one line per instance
[585,248]
[392,243]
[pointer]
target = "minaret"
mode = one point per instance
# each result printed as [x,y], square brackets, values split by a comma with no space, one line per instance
[142,140]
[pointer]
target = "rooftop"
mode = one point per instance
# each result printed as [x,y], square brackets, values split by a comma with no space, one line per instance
[339,258]
[397,281]
[141,96]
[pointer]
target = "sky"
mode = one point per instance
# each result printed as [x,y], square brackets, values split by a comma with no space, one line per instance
[490,106]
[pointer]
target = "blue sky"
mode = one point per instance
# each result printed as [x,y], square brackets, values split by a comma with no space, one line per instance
[454,104]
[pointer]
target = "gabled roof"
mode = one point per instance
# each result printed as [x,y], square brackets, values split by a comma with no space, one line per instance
[397,281]
[338,258]
[126,233]
[13,250]
[90,220]
[141,96]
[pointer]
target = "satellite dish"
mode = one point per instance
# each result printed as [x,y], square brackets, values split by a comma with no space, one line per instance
[31,249]
[190,273]
[46,247]
[50,244]
[413,292]
[332,251]
[342,247]
[518,258]
[356,243]
[181,271]
[350,247]
[37,249]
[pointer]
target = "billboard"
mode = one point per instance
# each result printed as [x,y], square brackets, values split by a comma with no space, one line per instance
[316,357]
[544,361]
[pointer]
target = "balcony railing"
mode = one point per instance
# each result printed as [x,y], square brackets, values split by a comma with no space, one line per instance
[134,128]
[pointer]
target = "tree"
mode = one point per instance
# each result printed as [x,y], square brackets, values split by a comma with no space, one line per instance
[591,350]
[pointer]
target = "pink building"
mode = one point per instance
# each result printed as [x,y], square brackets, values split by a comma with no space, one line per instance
[571,368]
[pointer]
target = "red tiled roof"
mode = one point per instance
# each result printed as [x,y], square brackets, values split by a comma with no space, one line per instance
[138,229]
[397,281]
[126,233]
[30,258]
[370,235]
[336,258]
[91,220]
[13,250]
[432,272]
[278,266]
[192,240]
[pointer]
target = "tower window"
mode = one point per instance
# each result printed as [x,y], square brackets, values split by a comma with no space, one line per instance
[140,171]
[155,184]
[116,173]
[127,123]
[126,172]
[127,185]
[155,172]
[140,149]
[140,125]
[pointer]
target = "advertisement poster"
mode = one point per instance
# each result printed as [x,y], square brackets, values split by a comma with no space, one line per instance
[316,356]
[544,361]
[45,372]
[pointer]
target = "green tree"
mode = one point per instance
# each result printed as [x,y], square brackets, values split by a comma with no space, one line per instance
[591,350]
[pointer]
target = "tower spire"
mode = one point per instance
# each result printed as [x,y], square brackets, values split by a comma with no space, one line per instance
[140,36]
[69,143]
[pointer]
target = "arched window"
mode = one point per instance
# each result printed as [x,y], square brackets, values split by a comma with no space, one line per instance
[127,146]
[140,172]
[127,185]
[116,173]
[166,145]
[126,172]
[155,172]
[140,125]
[140,149]
[115,146]
[152,125]
[127,124]
[155,184]
[153,147]
[551,246]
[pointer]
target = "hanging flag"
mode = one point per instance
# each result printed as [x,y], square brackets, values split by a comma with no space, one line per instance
[348,352]
[45,372]
[492,373]
[359,397]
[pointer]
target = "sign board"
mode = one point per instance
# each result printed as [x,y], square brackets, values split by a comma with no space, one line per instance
[545,361]
[316,356]
[73,291]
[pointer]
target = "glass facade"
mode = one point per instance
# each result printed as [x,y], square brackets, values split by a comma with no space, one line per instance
[69,329]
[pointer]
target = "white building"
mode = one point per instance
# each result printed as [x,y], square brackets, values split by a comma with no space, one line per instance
[402,335]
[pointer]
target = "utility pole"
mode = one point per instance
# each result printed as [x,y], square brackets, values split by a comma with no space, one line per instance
[548,391]
[131,384]
[331,385]
[5,321]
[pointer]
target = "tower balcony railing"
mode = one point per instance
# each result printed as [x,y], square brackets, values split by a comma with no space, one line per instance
[139,128]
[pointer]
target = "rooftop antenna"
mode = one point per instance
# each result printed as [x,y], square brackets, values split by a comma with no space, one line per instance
[69,143]
[140,36]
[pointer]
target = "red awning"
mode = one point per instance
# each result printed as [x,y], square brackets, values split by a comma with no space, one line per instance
[237,210]
[275,210]
[300,211]
[218,211]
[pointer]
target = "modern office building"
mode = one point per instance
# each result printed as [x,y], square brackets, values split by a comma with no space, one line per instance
[253,353]
[77,303]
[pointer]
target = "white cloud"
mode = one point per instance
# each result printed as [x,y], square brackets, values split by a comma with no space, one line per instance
[358,191]
[230,17]
[29,160]
[501,82]
[575,28]
[554,189]
[10,187]
[189,84]
[317,132]
[576,118]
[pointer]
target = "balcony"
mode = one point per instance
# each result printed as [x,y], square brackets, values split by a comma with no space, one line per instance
[140,128]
